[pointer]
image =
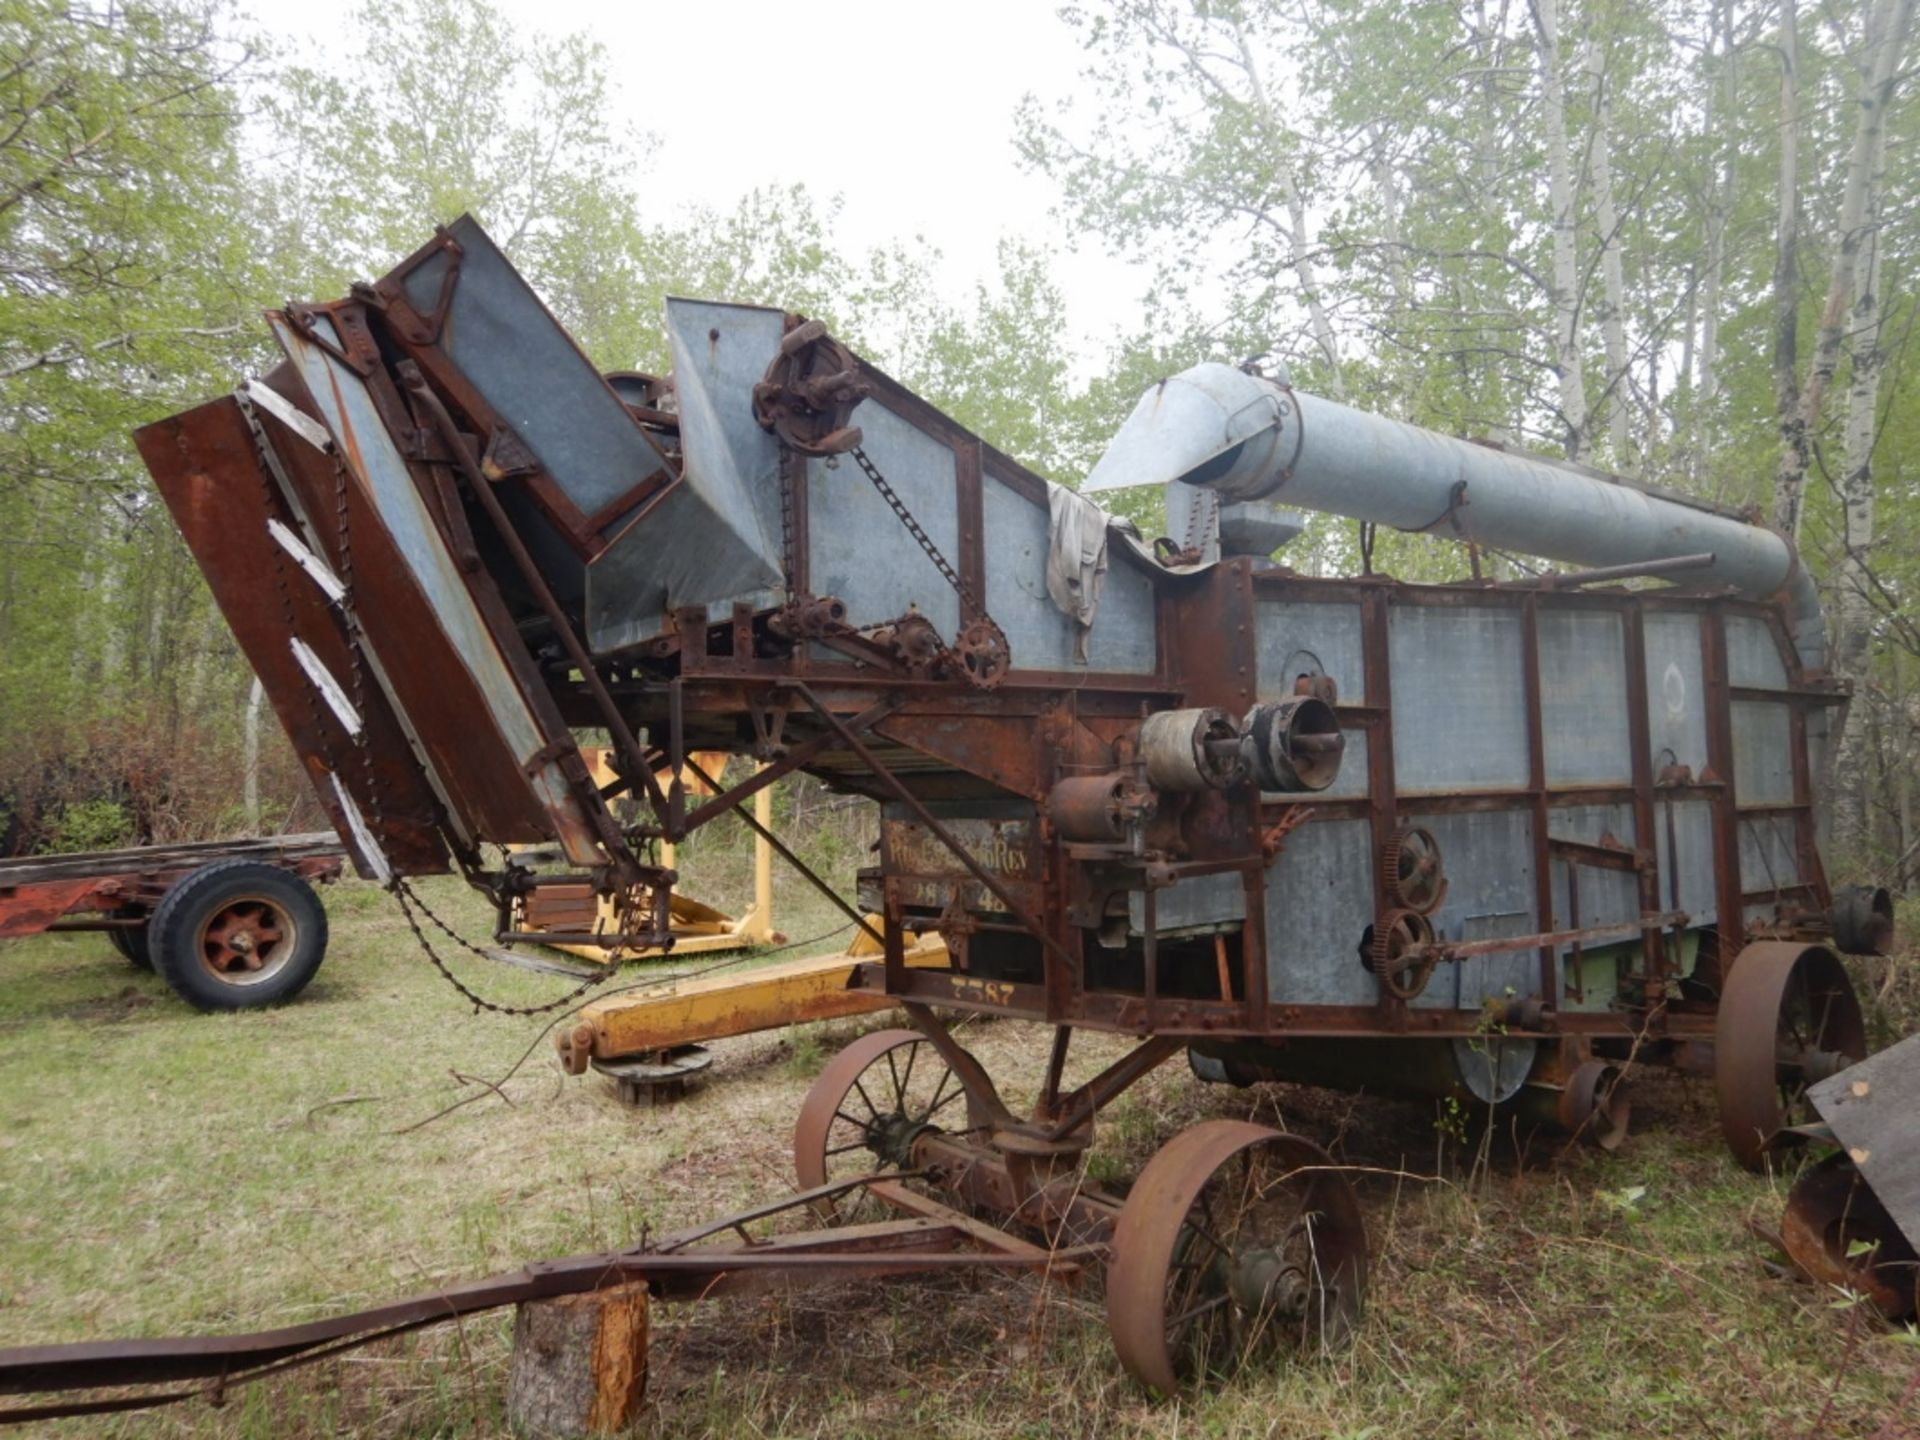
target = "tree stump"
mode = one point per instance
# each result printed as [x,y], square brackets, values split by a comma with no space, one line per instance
[579,1364]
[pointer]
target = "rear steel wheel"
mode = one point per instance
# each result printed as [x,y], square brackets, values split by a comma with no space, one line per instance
[868,1106]
[1788,1017]
[1839,1234]
[1237,1245]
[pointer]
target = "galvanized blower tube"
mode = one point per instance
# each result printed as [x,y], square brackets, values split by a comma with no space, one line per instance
[1248,438]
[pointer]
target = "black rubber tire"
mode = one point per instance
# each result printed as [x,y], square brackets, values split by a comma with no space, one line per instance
[133,944]
[178,931]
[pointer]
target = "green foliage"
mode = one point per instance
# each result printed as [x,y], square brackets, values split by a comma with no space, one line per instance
[90,825]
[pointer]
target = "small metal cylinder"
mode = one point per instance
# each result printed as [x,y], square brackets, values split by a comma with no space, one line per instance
[1191,750]
[1294,745]
[1096,809]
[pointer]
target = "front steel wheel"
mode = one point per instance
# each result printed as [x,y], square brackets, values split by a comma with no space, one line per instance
[1237,1245]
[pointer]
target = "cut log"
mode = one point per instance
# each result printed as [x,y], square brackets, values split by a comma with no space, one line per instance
[579,1364]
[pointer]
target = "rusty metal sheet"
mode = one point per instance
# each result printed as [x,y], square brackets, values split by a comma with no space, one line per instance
[208,470]
[1871,1108]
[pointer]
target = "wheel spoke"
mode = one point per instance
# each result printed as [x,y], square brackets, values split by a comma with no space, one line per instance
[872,1109]
[939,1105]
[899,1095]
[1187,1317]
[913,1054]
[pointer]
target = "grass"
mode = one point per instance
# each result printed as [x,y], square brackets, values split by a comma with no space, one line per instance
[163,1171]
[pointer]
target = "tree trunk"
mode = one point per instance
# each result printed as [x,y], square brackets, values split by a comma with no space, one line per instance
[1722,115]
[1854,621]
[1790,482]
[1613,301]
[579,1364]
[1299,238]
[1562,198]
[1884,39]
[251,781]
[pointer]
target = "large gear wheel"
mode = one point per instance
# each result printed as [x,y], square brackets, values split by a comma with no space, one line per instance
[1402,953]
[1416,874]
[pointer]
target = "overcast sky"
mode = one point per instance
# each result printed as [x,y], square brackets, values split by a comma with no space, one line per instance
[905,110]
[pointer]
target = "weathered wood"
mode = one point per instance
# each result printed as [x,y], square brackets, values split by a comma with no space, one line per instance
[579,1364]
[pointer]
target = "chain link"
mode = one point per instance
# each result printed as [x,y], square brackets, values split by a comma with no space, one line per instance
[924,540]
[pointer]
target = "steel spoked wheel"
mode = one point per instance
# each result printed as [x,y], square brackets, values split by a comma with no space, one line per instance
[1238,1245]
[1788,1018]
[866,1109]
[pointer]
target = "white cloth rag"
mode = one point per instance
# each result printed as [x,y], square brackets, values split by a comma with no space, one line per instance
[1076,559]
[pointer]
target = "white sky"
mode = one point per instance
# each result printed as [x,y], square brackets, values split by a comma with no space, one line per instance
[904,109]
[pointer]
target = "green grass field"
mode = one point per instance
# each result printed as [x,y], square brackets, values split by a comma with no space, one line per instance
[163,1171]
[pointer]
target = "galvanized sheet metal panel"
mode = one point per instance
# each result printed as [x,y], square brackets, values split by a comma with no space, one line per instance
[1753,655]
[376,464]
[1693,835]
[715,537]
[531,373]
[1459,698]
[1319,902]
[1190,906]
[1871,1107]
[1490,893]
[1606,896]
[1298,638]
[1039,634]
[1583,697]
[857,548]
[1762,753]
[1676,690]
[1769,852]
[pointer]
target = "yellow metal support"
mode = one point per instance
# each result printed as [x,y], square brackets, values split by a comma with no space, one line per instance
[698,929]
[766,998]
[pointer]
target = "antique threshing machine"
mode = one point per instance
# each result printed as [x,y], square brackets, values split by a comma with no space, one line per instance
[1488,840]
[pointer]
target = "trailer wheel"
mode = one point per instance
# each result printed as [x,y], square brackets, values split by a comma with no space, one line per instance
[132,944]
[238,934]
